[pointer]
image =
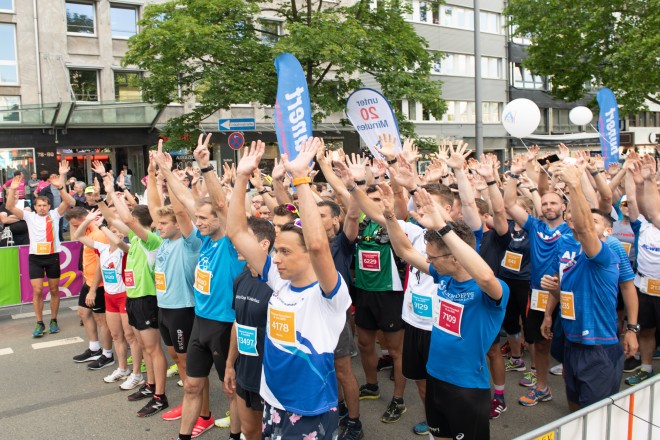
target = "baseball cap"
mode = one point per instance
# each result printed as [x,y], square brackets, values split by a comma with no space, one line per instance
[90,190]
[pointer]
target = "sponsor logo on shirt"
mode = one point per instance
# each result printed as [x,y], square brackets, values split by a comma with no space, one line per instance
[549,238]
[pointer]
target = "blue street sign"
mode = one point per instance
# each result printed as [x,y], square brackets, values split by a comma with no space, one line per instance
[236,141]
[242,124]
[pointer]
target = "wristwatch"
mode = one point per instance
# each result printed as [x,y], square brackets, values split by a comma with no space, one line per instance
[635,328]
[444,231]
[207,169]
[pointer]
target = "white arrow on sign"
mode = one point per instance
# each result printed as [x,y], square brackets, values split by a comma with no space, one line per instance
[226,124]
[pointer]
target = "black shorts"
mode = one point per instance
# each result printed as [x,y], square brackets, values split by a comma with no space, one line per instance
[209,345]
[649,310]
[99,301]
[175,326]
[142,312]
[379,310]
[48,264]
[416,343]
[592,372]
[533,325]
[516,307]
[252,400]
[452,410]
[343,348]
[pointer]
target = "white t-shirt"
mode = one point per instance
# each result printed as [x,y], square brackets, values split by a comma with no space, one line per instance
[648,257]
[37,232]
[112,268]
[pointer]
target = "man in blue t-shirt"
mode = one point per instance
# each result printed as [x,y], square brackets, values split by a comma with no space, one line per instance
[587,291]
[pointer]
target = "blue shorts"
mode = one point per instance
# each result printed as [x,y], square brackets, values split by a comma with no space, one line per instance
[592,372]
[281,424]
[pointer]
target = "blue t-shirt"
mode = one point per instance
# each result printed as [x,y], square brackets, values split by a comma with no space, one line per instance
[175,271]
[465,330]
[478,235]
[594,285]
[543,240]
[216,269]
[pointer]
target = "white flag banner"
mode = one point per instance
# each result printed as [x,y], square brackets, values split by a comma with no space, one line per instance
[371,114]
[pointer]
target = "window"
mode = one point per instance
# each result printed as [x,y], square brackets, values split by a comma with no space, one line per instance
[524,79]
[490,22]
[412,110]
[525,40]
[561,122]
[491,67]
[84,84]
[464,112]
[123,21]
[455,17]
[270,31]
[80,18]
[9,103]
[127,86]
[8,60]
[423,11]
[6,5]
[491,112]
[455,64]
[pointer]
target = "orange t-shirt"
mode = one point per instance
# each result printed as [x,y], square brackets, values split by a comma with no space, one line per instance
[89,257]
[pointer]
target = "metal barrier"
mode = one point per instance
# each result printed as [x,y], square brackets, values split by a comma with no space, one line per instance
[633,414]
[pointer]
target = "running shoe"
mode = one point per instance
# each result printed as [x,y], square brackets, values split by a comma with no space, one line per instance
[393,412]
[223,422]
[639,377]
[353,431]
[144,392]
[529,379]
[133,381]
[173,370]
[385,362]
[101,362]
[180,383]
[505,350]
[116,375]
[173,414]
[129,360]
[512,364]
[421,428]
[53,327]
[155,405]
[202,425]
[143,367]
[631,365]
[88,355]
[534,396]
[557,370]
[497,407]
[39,330]
[368,394]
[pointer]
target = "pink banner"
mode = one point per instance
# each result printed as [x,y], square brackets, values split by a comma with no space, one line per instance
[71,279]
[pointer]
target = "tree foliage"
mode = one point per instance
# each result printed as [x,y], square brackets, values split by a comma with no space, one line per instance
[613,43]
[222,53]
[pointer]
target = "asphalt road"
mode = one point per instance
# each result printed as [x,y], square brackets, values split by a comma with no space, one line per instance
[45,395]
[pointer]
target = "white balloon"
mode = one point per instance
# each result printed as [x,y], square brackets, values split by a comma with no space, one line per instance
[580,115]
[521,117]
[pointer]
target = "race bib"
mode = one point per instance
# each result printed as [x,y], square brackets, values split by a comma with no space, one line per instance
[651,286]
[449,319]
[422,305]
[539,300]
[512,261]
[109,276]
[246,337]
[369,260]
[129,278]
[282,326]
[43,248]
[159,277]
[203,281]
[567,305]
[627,247]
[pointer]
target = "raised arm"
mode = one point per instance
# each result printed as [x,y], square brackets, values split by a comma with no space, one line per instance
[357,192]
[515,211]
[78,234]
[153,197]
[456,162]
[175,186]
[202,155]
[325,165]
[11,198]
[67,200]
[631,168]
[125,214]
[651,195]
[485,169]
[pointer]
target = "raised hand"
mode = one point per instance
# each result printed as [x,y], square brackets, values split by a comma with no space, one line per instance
[648,167]
[569,174]
[410,151]
[387,146]
[15,182]
[405,175]
[457,155]
[202,154]
[278,170]
[532,153]
[427,213]
[92,215]
[98,168]
[483,168]
[299,167]
[563,152]
[387,197]
[250,160]
[357,165]
[108,184]
[517,165]
[344,173]
[378,167]
[435,171]
[613,168]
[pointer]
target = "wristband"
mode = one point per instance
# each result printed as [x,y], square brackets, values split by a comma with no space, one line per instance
[99,200]
[353,189]
[263,191]
[445,176]
[103,176]
[514,176]
[207,169]
[301,181]
[360,182]
[59,188]
[444,231]
[392,162]
[594,173]
[412,191]
[389,217]
[491,182]
[533,189]
[376,177]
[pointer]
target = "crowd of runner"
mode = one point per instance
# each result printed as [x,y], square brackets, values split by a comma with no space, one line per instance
[269,278]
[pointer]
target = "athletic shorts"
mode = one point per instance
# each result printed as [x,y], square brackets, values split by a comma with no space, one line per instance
[208,346]
[379,310]
[99,301]
[649,310]
[416,343]
[142,312]
[457,412]
[516,307]
[344,344]
[278,423]
[252,400]
[48,264]
[115,302]
[592,372]
[175,326]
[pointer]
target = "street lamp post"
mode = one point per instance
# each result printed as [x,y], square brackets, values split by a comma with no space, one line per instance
[478,110]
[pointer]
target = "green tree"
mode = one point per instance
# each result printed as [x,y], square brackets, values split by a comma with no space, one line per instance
[613,43]
[219,51]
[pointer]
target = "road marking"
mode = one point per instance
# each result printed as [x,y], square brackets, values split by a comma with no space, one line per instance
[4,351]
[27,314]
[57,343]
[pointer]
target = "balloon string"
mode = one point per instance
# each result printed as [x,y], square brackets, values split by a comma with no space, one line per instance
[545,171]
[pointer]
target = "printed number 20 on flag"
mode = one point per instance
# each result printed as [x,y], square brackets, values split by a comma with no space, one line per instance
[371,115]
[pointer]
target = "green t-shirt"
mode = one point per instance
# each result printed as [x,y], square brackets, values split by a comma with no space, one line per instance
[139,272]
[375,270]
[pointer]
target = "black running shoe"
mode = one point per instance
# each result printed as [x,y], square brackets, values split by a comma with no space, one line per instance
[393,412]
[144,392]
[385,362]
[101,362]
[88,355]
[155,405]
